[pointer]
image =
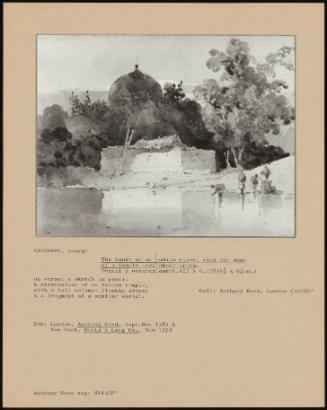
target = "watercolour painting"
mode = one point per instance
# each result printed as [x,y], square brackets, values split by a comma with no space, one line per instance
[165,135]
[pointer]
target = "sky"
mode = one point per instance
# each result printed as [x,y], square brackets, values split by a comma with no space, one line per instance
[94,62]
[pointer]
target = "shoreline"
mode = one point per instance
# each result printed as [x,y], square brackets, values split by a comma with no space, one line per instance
[282,175]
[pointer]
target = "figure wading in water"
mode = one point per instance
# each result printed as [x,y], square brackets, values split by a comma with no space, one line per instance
[255,181]
[219,189]
[242,181]
[266,183]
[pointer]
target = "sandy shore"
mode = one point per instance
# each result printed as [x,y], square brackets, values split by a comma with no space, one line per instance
[282,175]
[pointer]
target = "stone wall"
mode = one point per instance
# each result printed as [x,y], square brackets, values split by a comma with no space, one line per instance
[110,158]
[156,162]
[194,159]
[175,160]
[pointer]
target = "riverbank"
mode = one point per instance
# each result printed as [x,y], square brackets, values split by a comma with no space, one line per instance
[282,175]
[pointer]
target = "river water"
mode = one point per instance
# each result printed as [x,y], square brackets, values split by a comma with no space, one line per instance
[162,212]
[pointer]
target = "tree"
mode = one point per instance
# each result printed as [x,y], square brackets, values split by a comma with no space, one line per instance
[246,104]
[76,105]
[153,117]
[182,116]
[53,117]
[173,93]
[56,147]
[92,109]
[283,57]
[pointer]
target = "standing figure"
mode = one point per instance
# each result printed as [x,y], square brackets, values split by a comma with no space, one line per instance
[242,181]
[265,174]
[218,196]
[269,188]
[219,189]
[255,182]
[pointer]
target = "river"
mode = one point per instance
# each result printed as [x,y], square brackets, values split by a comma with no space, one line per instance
[162,212]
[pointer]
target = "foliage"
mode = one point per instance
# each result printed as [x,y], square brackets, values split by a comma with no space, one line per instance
[231,114]
[93,109]
[96,109]
[137,102]
[53,117]
[183,116]
[56,149]
[144,118]
[246,105]
[153,118]
[255,155]
[58,134]
[283,57]
[173,93]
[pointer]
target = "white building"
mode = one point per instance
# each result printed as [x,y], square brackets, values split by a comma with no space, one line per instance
[161,155]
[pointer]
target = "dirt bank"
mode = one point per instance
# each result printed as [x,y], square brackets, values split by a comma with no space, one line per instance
[282,175]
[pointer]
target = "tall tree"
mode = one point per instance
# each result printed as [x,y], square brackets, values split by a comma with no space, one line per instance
[246,102]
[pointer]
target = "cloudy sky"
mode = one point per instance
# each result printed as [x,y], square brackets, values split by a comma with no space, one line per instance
[67,62]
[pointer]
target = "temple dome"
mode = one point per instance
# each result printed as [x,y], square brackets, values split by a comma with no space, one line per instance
[134,87]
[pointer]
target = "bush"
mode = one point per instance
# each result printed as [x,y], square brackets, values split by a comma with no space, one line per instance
[256,155]
[58,134]
[55,150]
[53,117]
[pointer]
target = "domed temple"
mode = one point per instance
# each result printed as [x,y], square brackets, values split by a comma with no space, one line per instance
[138,96]
[134,87]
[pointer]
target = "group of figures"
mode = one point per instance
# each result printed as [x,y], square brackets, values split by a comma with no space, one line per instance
[266,186]
[264,180]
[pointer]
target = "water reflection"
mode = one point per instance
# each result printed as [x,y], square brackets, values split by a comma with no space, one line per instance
[242,200]
[162,212]
[269,202]
[133,211]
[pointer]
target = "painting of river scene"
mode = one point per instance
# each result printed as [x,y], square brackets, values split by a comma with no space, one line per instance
[165,136]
